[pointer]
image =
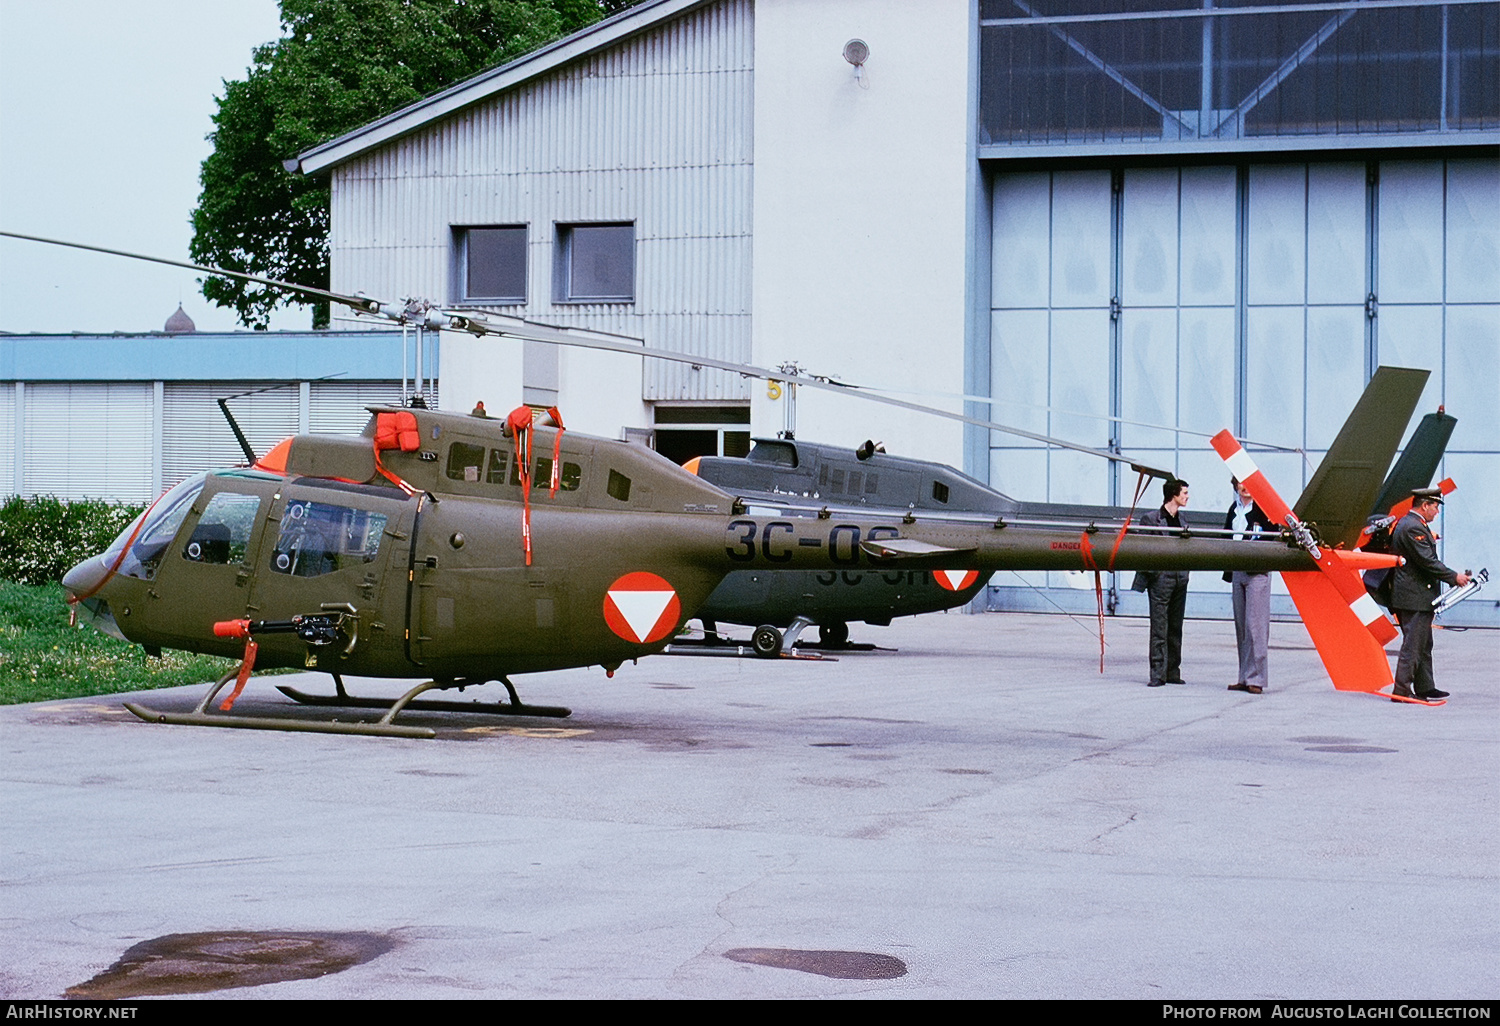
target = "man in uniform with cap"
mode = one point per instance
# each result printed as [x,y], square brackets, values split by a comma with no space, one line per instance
[1413,591]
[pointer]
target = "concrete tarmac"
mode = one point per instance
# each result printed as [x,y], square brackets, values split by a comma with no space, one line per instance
[983,806]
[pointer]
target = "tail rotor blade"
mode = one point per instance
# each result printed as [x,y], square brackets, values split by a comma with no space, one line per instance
[1344,580]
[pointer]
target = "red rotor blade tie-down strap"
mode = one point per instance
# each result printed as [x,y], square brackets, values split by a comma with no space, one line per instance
[238,629]
[114,567]
[1089,563]
[555,415]
[518,425]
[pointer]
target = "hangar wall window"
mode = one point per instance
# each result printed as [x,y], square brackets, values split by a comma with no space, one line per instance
[1085,72]
[595,263]
[491,264]
[683,432]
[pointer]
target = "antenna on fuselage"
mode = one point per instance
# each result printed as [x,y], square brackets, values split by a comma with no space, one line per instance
[239,436]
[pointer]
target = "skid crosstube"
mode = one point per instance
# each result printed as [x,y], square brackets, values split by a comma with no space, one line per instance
[345,700]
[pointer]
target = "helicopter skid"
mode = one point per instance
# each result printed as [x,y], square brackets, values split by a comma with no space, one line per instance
[201,719]
[694,648]
[487,708]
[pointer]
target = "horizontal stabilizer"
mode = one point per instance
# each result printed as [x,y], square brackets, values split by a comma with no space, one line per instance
[910,548]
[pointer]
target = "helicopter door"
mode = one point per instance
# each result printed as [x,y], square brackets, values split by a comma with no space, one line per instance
[204,573]
[330,547]
[475,606]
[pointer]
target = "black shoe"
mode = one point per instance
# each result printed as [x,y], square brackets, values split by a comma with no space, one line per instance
[1155,683]
[1428,696]
[1176,682]
[1239,687]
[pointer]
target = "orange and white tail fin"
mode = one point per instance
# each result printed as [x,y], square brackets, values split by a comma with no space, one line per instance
[1353,659]
[1343,578]
[1347,626]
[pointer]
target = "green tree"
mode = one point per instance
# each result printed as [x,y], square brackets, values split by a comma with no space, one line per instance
[340,64]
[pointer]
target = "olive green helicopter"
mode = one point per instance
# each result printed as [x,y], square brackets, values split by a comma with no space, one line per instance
[461,549]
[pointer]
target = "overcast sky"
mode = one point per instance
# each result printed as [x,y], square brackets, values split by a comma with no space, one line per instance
[104,106]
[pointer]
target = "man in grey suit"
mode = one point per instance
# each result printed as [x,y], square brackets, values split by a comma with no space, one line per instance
[1167,590]
[1251,593]
[1414,588]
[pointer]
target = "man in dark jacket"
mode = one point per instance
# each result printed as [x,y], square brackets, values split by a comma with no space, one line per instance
[1414,588]
[1167,590]
[1252,594]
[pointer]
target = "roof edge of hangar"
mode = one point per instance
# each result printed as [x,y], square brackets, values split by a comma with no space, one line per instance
[486,84]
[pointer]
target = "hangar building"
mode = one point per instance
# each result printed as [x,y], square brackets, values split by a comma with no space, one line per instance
[1123,222]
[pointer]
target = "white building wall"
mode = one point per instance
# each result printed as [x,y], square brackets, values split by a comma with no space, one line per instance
[861,221]
[656,130]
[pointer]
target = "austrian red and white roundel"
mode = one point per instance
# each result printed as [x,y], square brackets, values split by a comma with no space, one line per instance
[641,607]
[955,580]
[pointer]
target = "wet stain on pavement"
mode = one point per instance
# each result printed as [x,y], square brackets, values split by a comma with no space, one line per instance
[854,719]
[197,963]
[1350,749]
[960,772]
[840,965]
[848,783]
[430,773]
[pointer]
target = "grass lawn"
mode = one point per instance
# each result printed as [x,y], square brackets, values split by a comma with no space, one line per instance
[42,658]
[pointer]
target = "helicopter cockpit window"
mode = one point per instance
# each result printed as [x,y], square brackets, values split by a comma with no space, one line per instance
[223,531]
[317,538]
[161,523]
[464,461]
[780,453]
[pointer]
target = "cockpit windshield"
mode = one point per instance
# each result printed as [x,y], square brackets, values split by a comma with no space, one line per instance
[161,521]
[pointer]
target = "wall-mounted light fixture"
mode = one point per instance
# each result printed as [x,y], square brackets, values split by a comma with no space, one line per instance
[856,52]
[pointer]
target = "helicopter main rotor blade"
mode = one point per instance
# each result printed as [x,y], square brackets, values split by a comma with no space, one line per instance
[532,331]
[357,302]
[515,327]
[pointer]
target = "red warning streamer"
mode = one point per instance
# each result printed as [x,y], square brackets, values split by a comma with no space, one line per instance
[518,425]
[1090,564]
[246,665]
[556,417]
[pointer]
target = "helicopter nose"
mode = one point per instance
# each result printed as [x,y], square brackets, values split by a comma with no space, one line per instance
[85,578]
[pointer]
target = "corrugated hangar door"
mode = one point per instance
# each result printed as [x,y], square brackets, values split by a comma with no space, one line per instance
[7,438]
[1254,296]
[89,441]
[195,435]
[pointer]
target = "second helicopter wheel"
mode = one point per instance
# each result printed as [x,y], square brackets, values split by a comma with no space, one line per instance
[833,635]
[766,641]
